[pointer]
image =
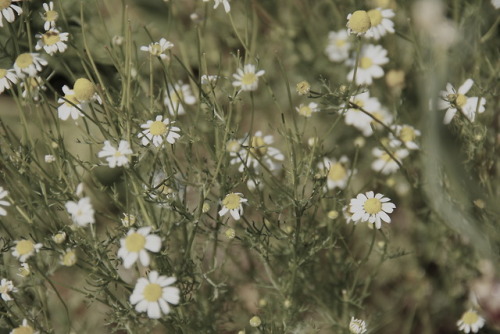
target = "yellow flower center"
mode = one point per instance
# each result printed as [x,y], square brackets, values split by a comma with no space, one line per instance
[71,99]
[25,247]
[359,103]
[5,3]
[50,38]
[69,258]
[118,154]
[365,62]
[386,157]
[24,60]
[470,317]
[258,146]
[359,22]
[461,100]
[33,82]
[176,97]
[375,17]
[372,206]
[378,116]
[337,172]
[305,111]
[51,15]
[231,201]
[407,134]
[156,49]
[3,73]
[4,288]
[233,146]
[340,42]
[303,87]
[152,292]
[84,89]
[248,78]
[135,242]
[23,330]
[158,128]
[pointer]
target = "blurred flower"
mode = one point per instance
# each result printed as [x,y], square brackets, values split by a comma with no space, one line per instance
[49,158]
[495,3]
[157,131]
[357,326]
[384,163]
[59,237]
[232,203]
[370,59]
[337,172]
[405,134]
[69,258]
[5,288]
[339,45]
[307,110]
[69,105]
[381,23]
[82,212]
[3,194]
[156,49]
[29,64]
[7,10]
[246,78]
[209,79]
[24,329]
[177,96]
[470,322]
[225,3]
[356,117]
[50,16]
[116,157]
[8,78]
[32,86]
[128,220]
[371,208]
[52,41]
[230,233]
[358,22]
[24,271]
[454,100]
[24,249]
[303,88]
[153,294]
[136,244]
[255,321]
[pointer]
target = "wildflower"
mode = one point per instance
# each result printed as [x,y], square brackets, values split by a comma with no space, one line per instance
[59,237]
[454,100]
[153,294]
[85,91]
[386,164]
[303,88]
[32,87]
[70,106]
[346,212]
[230,233]
[371,208]
[24,249]
[381,23]
[29,64]
[7,10]
[357,326]
[158,130]
[24,329]
[255,182]
[338,45]
[358,118]
[337,172]
[116,156]
[50,16]
[395,79]
[24,271]
[405,134]
[5,288]
[8,78]
[306,110]
[49,158]
[358,22]
[136,244]
[225,3]
[470,322]
[255,151]
[82,212]
[128,220]
[52,41]
[3,193]
[255,321]
[495,3]
[370,59]
[232,203]
[69,258]
[209,79]
[157,49]
[246,78]
[177,96]
[332,214]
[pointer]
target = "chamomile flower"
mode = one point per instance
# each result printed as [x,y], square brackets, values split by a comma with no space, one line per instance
[85,91]
[495,3]
[337,172]
[50,16]
[339,45]
[247,78]
[470,321]
[32,86]
[384,163]
[370,60]
[5,288]
[81,212]
[177,96]
[52,41]
[116,157]
[8,10]
[69,105]
[225,3]
[136,244]
[24,329]
[406,135]
[209,79]
[371,208]
[3,194]
[359,119]
[357,326]
[346,212]
[29,64]
[358,22]
[128,220]
[307,110]
[455,100]
[381,23]
[24,249]
[232,203]
[157,131]
[8,78]
[68,258]
[157,49]
[153,294]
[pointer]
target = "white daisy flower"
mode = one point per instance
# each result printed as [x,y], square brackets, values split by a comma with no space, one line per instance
[177,96]
[495,3]
[209,79]
[82,212]
[346,212]
[32,86]
[69,105]
[246,78]
[29,64]
[470,321]
[157,131]
[8,78]
[50,16]
[307,110]
[6,287]
[116,157]
[357,326]
[339,45]
[358,22]
[454,100]
[52,41]
[406,135]
[157,49]
[136,244]
[232,203]
[384,163]
[381,23]
[359,119]
[8,10]
[371,208]
[225,3]
[336,171]
[153,294]
[3,194]
[24,249]
[24,329]
[370,59]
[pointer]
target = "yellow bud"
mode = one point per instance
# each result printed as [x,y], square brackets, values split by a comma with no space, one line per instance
[333,214]
[303,88]
[255,321]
